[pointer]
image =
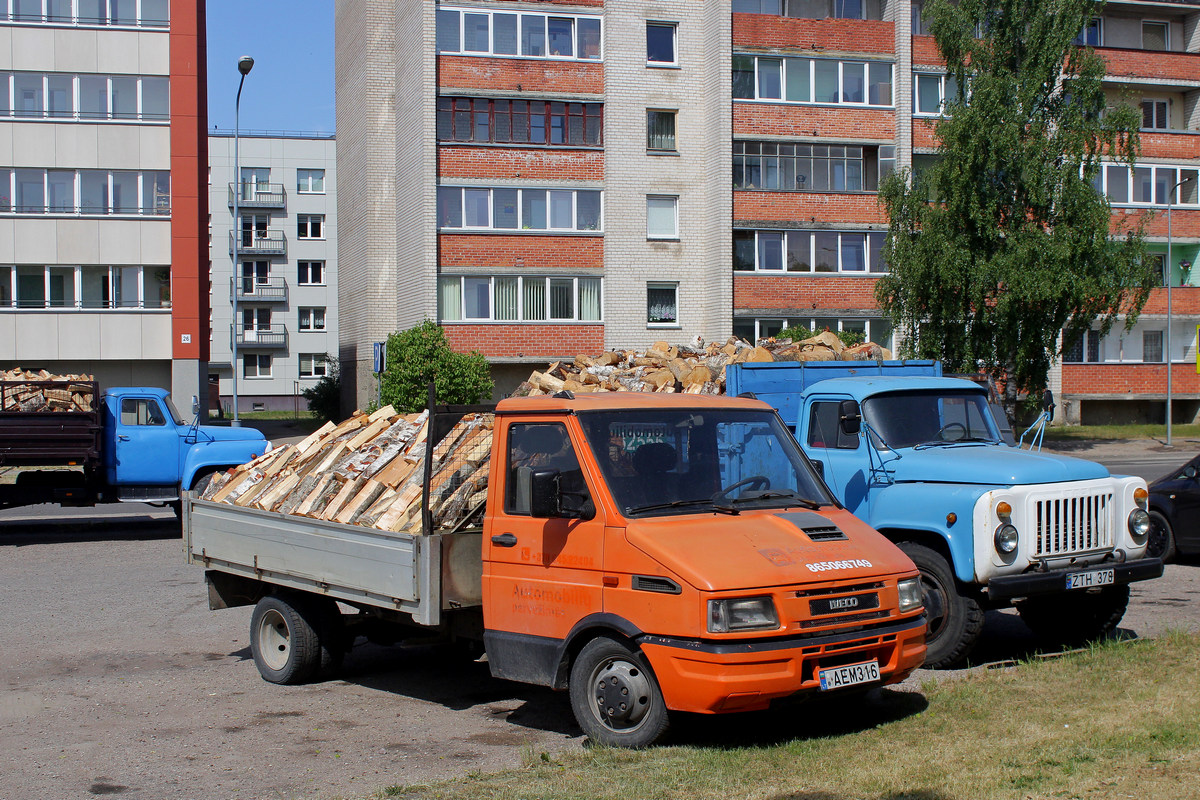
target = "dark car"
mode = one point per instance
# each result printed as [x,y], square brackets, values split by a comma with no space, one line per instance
[1175,512]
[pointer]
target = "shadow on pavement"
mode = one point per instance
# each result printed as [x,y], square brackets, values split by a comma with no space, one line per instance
[127,528]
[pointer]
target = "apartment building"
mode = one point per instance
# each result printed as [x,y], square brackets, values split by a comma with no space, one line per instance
[274,268]
[550,178]
[102,114]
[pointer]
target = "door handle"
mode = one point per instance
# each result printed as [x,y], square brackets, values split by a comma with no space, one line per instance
[123,437]
[504,540]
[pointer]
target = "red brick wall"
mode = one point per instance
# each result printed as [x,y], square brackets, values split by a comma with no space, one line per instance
[923,137]
[812,293]
[808,207]
[526,341]
[925,52]
[768,32]
[520,74]
[1148,379]
[567,254]
[811,121]
[1185,300]
[1162,144]
[1169,67]
[481,161]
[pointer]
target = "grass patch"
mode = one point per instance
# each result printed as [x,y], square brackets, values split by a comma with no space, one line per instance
[1068,433]
[1121,720]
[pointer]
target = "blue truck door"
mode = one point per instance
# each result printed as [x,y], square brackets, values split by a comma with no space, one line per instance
[843,457]
[146,444]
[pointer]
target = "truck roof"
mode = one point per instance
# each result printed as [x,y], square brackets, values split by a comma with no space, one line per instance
[609,401]
[866,386]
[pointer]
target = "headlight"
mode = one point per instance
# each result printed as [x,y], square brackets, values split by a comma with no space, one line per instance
[1139,524]
[910,594]
[741,614]
[1006,539]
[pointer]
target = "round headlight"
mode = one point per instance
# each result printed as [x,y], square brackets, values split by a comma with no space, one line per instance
[1006,539]
[1139,524]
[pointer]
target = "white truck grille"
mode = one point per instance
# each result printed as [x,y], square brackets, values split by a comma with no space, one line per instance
[1073,522]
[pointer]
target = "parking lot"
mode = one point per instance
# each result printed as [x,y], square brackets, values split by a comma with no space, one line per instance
[119,680]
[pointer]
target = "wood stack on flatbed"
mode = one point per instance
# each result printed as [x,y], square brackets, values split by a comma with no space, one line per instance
[25,390]
[368,471]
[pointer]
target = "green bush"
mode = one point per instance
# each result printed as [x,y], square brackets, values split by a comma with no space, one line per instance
[325,397]
[420,355]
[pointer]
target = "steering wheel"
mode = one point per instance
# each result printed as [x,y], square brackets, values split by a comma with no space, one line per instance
[949,426]
[754,482]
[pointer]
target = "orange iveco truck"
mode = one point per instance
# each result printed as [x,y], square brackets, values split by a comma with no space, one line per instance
[647,553]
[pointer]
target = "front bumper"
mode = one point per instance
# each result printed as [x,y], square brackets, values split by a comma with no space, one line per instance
[1055,581]
[715,677]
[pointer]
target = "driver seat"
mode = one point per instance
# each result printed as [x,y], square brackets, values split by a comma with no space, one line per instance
[653,463]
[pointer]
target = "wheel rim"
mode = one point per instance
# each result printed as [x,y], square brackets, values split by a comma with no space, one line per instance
[621,692]
[274,640]
[934,598]
[1156,543]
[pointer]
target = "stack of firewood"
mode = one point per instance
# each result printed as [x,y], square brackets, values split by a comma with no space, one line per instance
[368,471]
[27,390]
[695,369]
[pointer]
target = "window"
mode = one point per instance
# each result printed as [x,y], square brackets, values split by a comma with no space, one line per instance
[310,273]
[542,122]
[310,181]
[810,168]
[662,217]
[933,91]
[509,33]
[1092,34]
[65,96]
[812,80]
[518,209]
[919,26]
[312,319]
[1085,349]
[141,412]
[91,287]
[660,42]
[541,446]
[255,275]
[87,192]
[1147,185]
[1155,115]
[313,365]
[310,226]
[808,251]
[878,331]
[662,304]
[518,298]
[660,130]
[146,13]
[256,365]
[813,9]
[825,429]
[1158,266]
[1152,347]
[1155,35]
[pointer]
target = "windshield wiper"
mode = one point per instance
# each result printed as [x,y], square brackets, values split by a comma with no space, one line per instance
[934,443]
[777,495]
[672,504]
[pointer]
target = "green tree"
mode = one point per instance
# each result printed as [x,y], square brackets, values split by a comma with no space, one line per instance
[325,397]
[1004,241]
[420,355]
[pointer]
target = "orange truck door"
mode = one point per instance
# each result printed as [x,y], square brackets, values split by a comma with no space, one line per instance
[540,576]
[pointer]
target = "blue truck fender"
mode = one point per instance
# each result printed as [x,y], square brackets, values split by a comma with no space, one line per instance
[206,455]
[908,507]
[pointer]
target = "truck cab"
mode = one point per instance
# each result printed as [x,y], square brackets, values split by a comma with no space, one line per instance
[921,459]
[150,453]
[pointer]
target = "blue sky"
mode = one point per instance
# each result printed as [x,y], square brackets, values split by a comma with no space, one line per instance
[291,85]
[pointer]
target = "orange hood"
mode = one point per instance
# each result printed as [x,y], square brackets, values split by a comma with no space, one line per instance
[762,549]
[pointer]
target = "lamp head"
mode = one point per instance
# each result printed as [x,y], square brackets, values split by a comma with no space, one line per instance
[245,64]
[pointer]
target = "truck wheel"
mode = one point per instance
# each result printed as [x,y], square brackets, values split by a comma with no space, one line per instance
[955,620]
[294,639]
[1162,538]
[1075,619]
[202,479]
[615,697]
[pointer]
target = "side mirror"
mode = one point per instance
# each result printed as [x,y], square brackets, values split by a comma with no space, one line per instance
[1048,404]
[195,406]
[1189,472]
[850,417]
[544,497]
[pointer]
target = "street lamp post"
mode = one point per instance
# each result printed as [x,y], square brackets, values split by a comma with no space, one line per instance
[245,64]
[1170,279]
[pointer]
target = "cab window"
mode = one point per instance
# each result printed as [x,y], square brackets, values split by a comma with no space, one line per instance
[540,446]
[141,412]
[825,430]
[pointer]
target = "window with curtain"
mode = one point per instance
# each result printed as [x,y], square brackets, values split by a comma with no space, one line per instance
[519,298]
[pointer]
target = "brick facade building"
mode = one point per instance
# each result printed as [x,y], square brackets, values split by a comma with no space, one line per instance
[545,178]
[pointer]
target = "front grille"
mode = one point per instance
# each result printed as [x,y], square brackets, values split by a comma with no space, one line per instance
[1070,525]
[827,534]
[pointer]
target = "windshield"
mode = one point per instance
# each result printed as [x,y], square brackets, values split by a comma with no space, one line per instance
[173,411]
[930,418]
[694,460]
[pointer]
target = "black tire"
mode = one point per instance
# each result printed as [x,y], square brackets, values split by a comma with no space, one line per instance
[615,696]
[955,618]
[1161,543]
[295,639]
[202,478]
[1075,619]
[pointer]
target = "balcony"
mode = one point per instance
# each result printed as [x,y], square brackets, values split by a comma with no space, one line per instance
[270,243]
[271,290]
[260,195]
[271,336]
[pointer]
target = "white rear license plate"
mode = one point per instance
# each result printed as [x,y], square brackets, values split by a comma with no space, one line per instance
[848,675]
[1086,580]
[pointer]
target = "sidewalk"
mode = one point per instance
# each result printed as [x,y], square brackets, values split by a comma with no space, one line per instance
[1099,449]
